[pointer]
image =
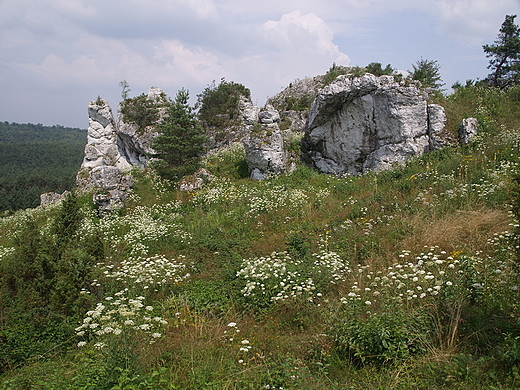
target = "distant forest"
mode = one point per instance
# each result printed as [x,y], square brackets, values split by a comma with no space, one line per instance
[35,159]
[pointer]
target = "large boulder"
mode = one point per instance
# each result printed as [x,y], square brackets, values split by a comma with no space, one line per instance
[368,123]
[264,148]
[112,188]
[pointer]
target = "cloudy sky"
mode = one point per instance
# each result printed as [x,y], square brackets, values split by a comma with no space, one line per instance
[57,55]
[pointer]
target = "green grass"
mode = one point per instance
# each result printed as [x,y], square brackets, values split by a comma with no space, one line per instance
[405,279]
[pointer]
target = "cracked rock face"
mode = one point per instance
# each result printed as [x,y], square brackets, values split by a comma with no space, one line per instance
[113,148]
[368,123]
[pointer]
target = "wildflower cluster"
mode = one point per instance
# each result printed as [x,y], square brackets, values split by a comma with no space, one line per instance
[233,152]
[409,280]
[258,200]
[139,227]
[117,316]
[154,271]
[279,277]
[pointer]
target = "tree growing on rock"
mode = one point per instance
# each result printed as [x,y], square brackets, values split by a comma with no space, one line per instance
[504,55]
[179,144]
[428,73]
[218,105]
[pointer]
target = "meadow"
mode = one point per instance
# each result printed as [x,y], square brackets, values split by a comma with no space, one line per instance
[406,279]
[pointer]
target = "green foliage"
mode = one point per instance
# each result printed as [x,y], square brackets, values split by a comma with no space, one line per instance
[388,336]
[377,69]
[68,220]
[218,104]
[125,89]
[504,55]
[142,111]
[335,71]
[302,103]
[427,72]
[180,141]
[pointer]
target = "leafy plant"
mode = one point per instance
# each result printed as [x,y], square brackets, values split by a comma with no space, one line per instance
[141,111]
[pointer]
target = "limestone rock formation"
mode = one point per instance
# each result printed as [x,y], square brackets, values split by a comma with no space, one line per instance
[134,143]
[52,197]
[101,148]
[294,102]
[468,130]
[112,187]
[436,124]
[264,145]
[114,148]
[369,123]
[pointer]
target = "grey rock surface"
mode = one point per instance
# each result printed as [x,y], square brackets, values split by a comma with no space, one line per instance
[368,123]
[468,130]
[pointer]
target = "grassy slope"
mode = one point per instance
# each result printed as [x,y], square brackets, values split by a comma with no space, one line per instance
[445,213]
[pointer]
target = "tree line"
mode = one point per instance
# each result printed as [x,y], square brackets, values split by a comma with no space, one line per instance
[35,159]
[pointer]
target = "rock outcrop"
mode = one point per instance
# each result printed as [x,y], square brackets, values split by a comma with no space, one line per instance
[101,148]
[264,145]
[468,130]
[111,186]
[369,123]
[112,149]
[134,143]
[52,197]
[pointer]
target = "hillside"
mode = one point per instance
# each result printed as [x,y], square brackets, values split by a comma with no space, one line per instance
[36,159]
[403,279]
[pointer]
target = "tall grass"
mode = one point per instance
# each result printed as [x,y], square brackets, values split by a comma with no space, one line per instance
[403,279]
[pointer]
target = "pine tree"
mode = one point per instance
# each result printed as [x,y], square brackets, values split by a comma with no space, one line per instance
[180,141]
[504,55]
[427,72]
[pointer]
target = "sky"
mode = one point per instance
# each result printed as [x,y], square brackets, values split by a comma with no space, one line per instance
[57,55]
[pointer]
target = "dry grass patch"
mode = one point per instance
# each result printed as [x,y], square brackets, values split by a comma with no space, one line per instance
[463,230]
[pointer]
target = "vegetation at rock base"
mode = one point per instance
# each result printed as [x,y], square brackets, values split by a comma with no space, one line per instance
[36,159]
[403,279]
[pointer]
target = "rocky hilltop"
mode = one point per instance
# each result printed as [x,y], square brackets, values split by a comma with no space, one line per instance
[351,126]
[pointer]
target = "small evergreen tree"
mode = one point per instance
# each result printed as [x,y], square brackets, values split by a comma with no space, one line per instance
[67,221]
[504,55]
[427,72]
[180,141]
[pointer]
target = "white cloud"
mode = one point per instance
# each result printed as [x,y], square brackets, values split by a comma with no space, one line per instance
[88,46]
[471,22]
[303,43]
